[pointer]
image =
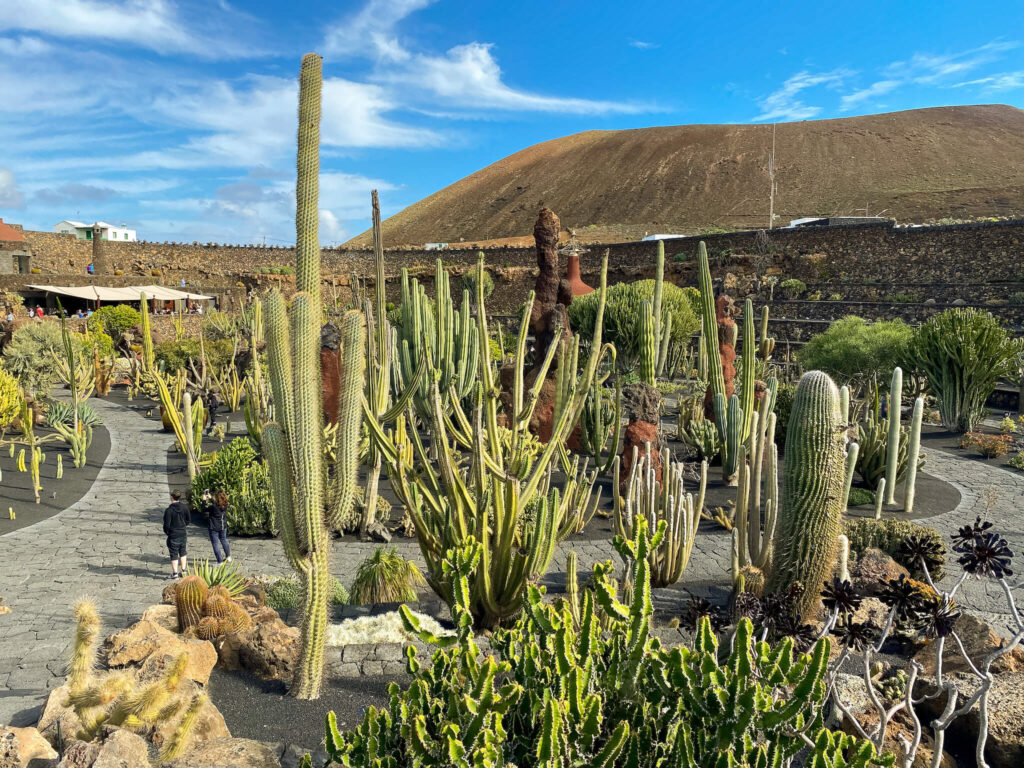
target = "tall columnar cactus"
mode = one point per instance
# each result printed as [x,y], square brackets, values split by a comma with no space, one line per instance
[759,479]
[648,337]
[189,599]
[715,378]
[913,455]
[601,424]
[749,366]
[147,337]
[812,493]
[892,448]
[844,403]
[766,343]
[851,464]
[293,441]
[729,420]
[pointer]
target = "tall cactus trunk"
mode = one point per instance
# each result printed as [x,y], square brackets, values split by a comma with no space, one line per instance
[812,493]
[892,448]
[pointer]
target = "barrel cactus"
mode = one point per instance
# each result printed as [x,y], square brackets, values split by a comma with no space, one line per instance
[812,493]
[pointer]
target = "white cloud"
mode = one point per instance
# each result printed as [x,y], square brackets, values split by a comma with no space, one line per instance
[879,88]
[1003,81]
[23,46]
[931,69]
[10,194]
[374,24]
[468,77]
[786,104]
[644,45]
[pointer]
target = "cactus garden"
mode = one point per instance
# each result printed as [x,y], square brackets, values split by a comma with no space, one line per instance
[626,527]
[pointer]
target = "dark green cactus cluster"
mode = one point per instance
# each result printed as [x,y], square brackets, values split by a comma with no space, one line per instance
[558,691]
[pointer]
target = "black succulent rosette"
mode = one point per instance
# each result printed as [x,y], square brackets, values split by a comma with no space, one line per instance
[841,597]
[903,595]
[923,549]
[748,605]
[857,635]
[965,535]
[939,617]
[986,554]
[697,608]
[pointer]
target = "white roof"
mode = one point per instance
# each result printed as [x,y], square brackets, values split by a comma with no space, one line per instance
[130,293]
[73,223]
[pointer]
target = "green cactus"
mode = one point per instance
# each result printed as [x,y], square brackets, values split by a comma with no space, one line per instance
[811,511]
[665,501]
[190,600]
[594,688]
[913,455]
[148,365]
[892,451]
[844,403]
[709,324]
[601,424]
[293,442]
[748,368]
[767,343]
[851,464]
[648,352]
[729,420]
[754,527]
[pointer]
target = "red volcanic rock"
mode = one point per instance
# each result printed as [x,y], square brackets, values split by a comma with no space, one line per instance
[639,434]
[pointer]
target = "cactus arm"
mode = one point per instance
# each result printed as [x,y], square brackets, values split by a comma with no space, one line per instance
[281,491]
[749,352]
[350,415]
[851,463]
[913,455]
[307,187]
[892,449]
[716,379]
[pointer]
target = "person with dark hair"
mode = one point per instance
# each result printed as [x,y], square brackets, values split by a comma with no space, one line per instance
[215,507]
[176,522]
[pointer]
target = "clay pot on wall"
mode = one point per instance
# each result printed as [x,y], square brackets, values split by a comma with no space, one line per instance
[579,288]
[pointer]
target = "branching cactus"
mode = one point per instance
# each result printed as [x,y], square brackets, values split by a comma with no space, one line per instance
[812,491]
[892,449]
[667,501]
[293,442]
[601,424]
[729,420]
[757,498]
[715,377]
[648,341]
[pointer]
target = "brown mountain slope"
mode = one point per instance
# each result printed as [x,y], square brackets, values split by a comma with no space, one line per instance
[915,165]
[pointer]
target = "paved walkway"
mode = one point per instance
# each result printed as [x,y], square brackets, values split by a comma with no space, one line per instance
[110,547]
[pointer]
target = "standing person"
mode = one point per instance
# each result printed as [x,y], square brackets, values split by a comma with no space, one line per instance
[176,522]
[215,507]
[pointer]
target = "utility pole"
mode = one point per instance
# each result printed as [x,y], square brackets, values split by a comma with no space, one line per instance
[771,183]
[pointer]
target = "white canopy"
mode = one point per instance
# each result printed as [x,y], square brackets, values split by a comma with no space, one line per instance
[131,293]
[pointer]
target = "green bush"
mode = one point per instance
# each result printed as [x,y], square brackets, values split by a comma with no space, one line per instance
[1017,460]
[29,357]
[1017,299]
[622,315]
[793,287]
[963,353]
[219,325]
[386,577]
[584,684]
[176,355]
[240,472]
[469,283]
[860,497]
[853,350]
[114,320]
[889,535]
[285,594]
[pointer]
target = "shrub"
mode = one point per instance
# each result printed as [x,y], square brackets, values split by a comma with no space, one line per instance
[1017,299]
[219,325]
[469,283]
[285,593]
[114,320]
[556,690]
[1007,426]
[963,353]
[860,497]
[854,351]
[902,298]
[176,355]
[1017,461]
[989,446]
[386,577]
[890,535]
[29,357]
[783,405]
[835,297]
[793,287]
[814,296]
[622,315]
[240,472]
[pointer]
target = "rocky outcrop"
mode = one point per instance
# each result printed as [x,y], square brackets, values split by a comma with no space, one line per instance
[979,640]
[149,642]
[25,747]
[872,569]
[237,753]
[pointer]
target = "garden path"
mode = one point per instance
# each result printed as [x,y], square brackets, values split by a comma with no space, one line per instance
[110,547]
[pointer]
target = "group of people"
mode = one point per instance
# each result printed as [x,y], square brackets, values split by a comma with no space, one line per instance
[39,313]
[177,518]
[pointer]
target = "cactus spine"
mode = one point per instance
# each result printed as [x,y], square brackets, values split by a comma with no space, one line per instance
[810,517]
[913,455]
[293,441]
[892,448]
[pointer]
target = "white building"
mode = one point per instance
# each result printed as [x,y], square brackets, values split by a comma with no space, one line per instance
[83,231]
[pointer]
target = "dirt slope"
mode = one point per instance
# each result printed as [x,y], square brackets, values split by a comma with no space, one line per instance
[916,165]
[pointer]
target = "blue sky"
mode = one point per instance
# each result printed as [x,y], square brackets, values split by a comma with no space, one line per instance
[178,116]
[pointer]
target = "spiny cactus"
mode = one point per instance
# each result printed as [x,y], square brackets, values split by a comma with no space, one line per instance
[648,352]
[293,442]
[190,599]
[892,452]
[715,378]
[119,699]
[601,424]
[729,420]
[148,364]
[667,501]
[913,455]
[851,464]
[811,512]
[755,523]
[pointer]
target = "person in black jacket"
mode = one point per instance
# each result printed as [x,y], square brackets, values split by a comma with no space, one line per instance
[215,507]
[176,522]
